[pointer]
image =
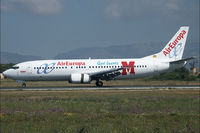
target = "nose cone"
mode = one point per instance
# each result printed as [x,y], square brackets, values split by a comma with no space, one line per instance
[9,74]
[6,74]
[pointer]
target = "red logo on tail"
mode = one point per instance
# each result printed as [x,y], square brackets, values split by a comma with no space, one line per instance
[171,46]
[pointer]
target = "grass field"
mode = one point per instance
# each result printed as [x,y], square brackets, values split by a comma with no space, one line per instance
[100,111]
[131,82]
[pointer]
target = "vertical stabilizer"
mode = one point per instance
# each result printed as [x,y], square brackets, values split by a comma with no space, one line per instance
[175,47]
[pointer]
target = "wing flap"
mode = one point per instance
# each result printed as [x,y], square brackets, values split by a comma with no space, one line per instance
[106,75]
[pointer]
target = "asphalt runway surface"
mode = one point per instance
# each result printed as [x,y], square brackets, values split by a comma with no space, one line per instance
[104,88]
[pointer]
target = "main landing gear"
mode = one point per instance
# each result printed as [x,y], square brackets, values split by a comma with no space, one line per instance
[24,85]
[99,83]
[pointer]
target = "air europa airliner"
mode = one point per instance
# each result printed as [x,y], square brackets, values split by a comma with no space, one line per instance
[85,70]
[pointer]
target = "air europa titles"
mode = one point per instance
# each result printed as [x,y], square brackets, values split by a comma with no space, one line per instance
[68,63]
[172,45]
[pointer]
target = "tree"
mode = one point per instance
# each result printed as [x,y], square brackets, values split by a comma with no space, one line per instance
[4,67]
[177,74]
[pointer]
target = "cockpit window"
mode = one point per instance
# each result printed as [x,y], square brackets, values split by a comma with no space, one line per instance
[15,67]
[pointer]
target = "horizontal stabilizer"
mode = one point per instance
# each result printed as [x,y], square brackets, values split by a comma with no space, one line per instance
[182,60]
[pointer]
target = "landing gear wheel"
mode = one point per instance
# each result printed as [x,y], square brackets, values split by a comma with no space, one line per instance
[99,83]
[23,85]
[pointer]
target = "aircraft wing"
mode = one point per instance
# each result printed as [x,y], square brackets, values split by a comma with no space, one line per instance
[106,75]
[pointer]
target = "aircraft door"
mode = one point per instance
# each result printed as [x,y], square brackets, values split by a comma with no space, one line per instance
[25,71]
[28,70]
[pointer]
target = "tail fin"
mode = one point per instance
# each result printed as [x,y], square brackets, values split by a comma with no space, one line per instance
[174,49]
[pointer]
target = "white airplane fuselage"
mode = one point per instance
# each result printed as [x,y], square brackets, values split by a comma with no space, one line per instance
[63,69]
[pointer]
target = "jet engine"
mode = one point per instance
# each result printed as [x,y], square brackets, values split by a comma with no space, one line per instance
[79,78]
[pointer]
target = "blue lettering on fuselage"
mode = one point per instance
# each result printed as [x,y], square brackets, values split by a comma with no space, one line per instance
[101,63]
[112,63]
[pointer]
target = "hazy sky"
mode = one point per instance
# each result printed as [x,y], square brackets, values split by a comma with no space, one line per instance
[48,27]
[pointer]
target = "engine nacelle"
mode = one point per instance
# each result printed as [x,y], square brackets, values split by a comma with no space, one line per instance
[79,78]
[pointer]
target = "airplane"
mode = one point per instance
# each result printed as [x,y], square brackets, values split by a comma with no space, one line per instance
[83,71]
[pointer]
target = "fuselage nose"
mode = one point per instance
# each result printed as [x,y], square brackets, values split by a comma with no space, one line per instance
[10,73]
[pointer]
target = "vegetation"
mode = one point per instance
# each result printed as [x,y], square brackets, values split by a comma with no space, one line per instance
[100,111]
[8,83]
[178,74]
[4,67]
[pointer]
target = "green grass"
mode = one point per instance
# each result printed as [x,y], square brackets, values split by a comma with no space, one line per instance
[100,111]
[130,82]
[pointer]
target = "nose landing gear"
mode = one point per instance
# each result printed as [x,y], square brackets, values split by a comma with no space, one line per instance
[22,82]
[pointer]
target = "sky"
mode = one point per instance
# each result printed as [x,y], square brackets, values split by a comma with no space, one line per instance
[48,27]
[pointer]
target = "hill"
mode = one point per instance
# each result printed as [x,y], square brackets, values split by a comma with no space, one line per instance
[7,57]
[136,50]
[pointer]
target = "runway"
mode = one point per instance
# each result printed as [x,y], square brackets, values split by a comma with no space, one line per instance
[105,88]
